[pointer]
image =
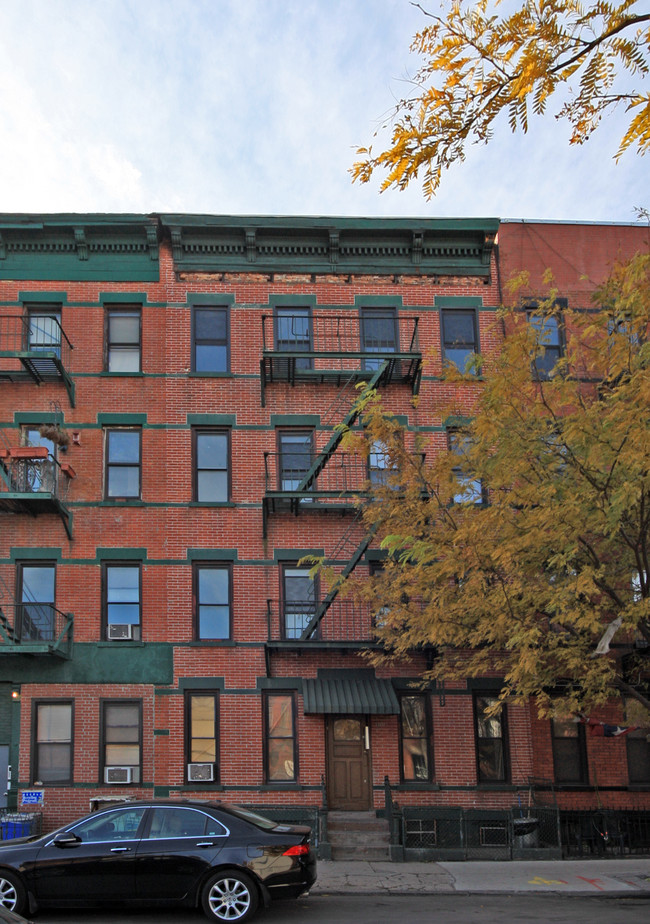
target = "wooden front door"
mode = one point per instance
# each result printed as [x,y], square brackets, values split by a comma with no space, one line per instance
[348,763]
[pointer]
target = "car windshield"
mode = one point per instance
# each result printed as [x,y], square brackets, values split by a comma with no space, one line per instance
[258,820]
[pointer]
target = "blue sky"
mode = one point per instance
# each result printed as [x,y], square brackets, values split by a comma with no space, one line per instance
[256,107]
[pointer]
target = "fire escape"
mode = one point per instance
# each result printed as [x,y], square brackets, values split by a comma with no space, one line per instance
[33,481]
[35,348]
[33,627]
[379,350]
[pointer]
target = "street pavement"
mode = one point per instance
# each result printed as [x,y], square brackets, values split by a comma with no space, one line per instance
[626,877]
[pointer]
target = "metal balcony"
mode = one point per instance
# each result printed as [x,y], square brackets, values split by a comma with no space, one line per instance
[334,489]
[35,629]
[346,625]
[33,482]
[26,355]
[339,349]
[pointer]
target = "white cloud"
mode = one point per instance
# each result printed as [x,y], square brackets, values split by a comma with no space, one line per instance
[253,106]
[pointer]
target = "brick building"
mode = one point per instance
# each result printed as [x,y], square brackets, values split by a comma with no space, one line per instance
[170,390]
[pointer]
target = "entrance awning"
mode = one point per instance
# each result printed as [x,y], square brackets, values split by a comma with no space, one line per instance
[350,695]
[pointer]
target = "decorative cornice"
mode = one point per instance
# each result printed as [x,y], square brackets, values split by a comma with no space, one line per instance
[77,247]
[208,243]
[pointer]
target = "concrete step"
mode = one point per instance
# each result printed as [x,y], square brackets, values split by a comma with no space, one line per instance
[358,836]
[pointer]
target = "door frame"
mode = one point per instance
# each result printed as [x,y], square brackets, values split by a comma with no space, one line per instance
[365,802]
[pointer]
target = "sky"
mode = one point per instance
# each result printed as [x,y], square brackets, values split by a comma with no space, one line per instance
[256,107]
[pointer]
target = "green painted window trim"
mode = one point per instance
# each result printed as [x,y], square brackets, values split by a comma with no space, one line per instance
[455,421]
[34,552]
[122,298]
[458,301]
[125,420]
[212,554]
[279,683]
[201,683]
[211,299]
[43,297]
[212,420]
[290,301]
[378,301]
[295,420]
[31,417]
[135,554]
[295,554]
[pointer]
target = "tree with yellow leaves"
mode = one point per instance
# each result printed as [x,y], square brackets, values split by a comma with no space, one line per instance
[525,549]
[479,63]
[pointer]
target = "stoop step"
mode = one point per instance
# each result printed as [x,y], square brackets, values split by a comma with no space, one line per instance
[358,836]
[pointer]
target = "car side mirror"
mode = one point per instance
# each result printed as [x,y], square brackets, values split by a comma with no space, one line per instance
[66,839]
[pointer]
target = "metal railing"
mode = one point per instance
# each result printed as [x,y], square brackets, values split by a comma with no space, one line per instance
[22,334]
[339,334]
[345,474]
[34,625]
[345,621]
[33,474]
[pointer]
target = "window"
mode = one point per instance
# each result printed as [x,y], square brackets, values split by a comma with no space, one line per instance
[295,457]
[170,822]
[569,751]
[210,341]
[459,340]
[202,731]
[415,737]
[35,613]
[637,742]
[378,333]
[52,748]
[123,450]
[547,329]
[280,738]
[490,731]
[293,333]
[299,600]
[211,454]
[40,474]
[44,330]
[379,465]
[122,738]
[117,825]
[122,601]
[212,595]
[123,332]
[469,490]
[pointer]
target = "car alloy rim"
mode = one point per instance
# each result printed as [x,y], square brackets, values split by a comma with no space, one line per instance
[8,895]
[229,899]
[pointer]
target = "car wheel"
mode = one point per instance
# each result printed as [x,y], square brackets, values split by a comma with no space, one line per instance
[229,896]
[12,893]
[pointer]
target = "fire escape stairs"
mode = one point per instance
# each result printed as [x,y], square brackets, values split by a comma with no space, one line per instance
[328,451]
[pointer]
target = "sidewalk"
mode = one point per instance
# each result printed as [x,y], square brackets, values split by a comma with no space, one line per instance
[629,877]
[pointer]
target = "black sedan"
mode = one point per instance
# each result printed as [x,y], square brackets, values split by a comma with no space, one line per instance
[214,855]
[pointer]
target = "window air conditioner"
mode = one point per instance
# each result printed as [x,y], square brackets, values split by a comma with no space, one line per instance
[117,630]
[118,774]
[200,773]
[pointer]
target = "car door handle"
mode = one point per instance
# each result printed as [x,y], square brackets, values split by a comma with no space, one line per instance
[120,849]
[205,844]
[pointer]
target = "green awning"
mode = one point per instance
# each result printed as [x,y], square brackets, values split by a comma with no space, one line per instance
[350,695]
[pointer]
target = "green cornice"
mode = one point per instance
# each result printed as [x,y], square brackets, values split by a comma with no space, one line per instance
[79,247]
[124,247]
[407,246]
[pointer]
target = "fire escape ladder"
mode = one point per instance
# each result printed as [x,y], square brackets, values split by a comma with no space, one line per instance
[323,457]
[333,592]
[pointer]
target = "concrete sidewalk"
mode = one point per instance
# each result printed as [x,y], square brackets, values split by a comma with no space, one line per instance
[628,877]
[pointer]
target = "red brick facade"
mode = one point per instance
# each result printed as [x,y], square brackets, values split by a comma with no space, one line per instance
[168,535]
